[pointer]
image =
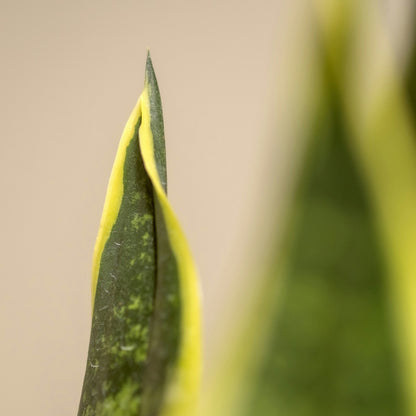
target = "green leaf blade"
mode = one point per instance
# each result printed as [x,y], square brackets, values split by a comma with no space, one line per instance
[137,327]
[177,294]
[123,304]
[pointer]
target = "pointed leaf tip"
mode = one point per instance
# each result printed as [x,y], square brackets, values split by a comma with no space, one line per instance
[144,354]
[150,76]
[148,60]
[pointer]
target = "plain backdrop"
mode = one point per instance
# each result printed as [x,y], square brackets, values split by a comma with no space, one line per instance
[70,73]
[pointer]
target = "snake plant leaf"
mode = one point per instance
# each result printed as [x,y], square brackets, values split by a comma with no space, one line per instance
[144,353]
[383,139]
[325,341]
[330,346]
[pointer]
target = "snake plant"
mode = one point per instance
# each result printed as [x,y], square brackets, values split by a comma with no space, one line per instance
[144,353]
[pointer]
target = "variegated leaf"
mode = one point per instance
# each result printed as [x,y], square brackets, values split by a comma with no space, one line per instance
[144,354]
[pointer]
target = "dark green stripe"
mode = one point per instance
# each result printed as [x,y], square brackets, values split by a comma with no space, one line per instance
[124,301]
[156,122]
[166,330]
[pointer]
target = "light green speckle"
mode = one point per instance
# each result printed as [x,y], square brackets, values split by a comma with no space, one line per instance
[136,303]
[136,196]
[134,331]
[145,218]
[135,221]
[119,312]
[140,355]
[124,403]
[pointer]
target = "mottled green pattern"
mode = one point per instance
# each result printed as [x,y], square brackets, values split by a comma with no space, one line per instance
[166,332]
[156,122]
[136,330]
[330,348]
[124,301]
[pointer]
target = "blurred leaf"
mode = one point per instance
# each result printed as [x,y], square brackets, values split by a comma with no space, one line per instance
[144,354]
[330,348]
[334,329]
[410,75]
[383,141]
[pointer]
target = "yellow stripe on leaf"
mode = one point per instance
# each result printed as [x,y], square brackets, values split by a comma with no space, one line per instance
[185,382]
[144,352]
[114,196]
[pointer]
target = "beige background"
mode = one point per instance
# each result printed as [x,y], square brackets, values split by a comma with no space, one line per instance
[70,74]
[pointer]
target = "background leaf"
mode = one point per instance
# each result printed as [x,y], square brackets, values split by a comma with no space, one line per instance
[333,329]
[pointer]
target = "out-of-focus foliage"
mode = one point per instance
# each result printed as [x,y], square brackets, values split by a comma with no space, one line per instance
[334,329]
[330,348]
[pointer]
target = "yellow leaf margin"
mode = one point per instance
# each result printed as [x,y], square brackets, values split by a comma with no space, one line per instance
[183,387]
